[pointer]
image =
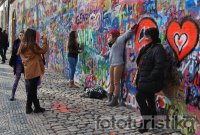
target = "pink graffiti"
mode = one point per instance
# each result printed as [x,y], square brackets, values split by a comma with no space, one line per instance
[90,81]
[191,108]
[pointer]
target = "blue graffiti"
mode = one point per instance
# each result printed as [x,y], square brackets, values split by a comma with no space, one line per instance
[106,22]
[149,7]
[192,3]
[115,23]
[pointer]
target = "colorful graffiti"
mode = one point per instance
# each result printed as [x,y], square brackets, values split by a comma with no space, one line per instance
[178,22]
[144,24]
[183,37]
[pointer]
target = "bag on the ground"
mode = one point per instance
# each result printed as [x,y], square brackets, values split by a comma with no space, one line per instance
[97,92]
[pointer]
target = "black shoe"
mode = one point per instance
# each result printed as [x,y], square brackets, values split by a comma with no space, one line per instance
[109,95]
[3,62]
[29,110]
[12,99]
[142,130]
[114,101]
[39,110]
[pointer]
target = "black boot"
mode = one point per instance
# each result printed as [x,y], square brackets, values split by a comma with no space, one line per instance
[38,109]
[12,99]
[3,60]
[110,95]
[29,107]
[13,95]
[114,101]
[121,101]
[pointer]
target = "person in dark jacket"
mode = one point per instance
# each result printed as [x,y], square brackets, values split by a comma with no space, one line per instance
[6,43]
[2,46]
[16,63]
[74,49]
[150,75]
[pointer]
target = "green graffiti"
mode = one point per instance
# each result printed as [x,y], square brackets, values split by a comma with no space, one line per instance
[86,38]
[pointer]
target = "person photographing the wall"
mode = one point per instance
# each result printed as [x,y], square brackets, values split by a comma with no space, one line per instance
[30,53]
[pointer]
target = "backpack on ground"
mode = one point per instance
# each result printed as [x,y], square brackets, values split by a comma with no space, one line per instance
[97,92]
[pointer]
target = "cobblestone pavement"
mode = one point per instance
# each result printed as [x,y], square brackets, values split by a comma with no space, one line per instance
[66,112]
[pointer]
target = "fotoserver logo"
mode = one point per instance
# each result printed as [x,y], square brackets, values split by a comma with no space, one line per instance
[150,122]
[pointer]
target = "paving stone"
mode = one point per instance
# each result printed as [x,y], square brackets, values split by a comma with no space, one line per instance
[61,103]
[72,129]
[176,134]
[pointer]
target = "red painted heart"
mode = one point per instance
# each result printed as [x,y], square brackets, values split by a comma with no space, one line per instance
[183,37]
[144,24]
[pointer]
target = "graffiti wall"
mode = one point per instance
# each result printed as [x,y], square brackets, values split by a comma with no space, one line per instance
[177,20]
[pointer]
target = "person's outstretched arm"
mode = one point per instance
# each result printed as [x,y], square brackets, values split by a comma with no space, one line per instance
[44,47]
[128,33]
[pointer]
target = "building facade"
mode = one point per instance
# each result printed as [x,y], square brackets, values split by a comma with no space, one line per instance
[4,15]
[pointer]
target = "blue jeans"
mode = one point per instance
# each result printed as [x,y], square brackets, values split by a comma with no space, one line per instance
[72,67]
[19,68]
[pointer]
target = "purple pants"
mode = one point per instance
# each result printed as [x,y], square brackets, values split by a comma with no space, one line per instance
[19,68]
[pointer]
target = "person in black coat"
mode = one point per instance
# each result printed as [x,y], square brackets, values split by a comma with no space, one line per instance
[150,75]
[16,63]
[2,46]
[6,43]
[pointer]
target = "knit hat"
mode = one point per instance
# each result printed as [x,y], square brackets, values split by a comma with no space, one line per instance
[153,33]
[115,32]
